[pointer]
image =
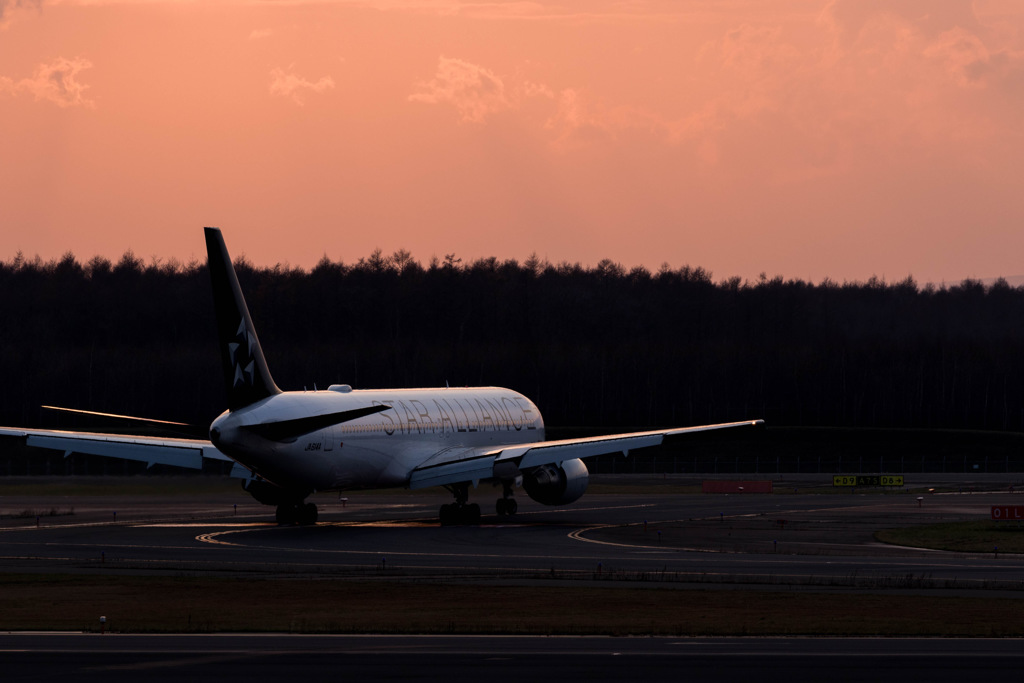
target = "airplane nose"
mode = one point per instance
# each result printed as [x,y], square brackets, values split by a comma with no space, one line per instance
[215,435]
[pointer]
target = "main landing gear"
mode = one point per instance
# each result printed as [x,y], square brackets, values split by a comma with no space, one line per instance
[461,511]
[299,513]
[506,505]
[466,513]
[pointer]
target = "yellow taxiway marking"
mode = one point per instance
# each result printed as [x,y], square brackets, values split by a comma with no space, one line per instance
[212,537]
[205,525]
[578,536]
[423,522]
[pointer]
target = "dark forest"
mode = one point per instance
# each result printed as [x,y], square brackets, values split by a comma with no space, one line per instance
[601,347]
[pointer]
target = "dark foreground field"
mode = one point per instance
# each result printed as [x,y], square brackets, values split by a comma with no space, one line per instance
[159,604]
[146,593]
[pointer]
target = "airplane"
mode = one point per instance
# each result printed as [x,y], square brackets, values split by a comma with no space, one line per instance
[286,445]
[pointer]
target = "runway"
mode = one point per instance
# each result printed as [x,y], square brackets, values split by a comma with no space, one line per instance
[779,542]
[86,658]
[790,540]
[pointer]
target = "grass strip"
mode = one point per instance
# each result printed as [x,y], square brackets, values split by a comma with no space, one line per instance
[208,605]
[966,537]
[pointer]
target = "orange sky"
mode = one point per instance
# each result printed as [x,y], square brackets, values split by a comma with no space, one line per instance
[804,138]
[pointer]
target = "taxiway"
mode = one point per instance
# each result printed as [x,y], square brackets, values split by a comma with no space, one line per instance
[778,539]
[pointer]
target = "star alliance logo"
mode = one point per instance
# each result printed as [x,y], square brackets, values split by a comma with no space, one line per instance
[240,351]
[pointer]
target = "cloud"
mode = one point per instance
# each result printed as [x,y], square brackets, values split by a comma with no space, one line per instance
[875,82]
[756,48]
[531,89]
[260,33]
[929,54]
[55,82]
[7,6]
[289,85]
[851,18]
[576,121]
[970,62]
[867,83]
[569,116]
[475,91]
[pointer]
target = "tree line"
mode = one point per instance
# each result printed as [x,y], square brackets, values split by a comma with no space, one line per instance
[601,347]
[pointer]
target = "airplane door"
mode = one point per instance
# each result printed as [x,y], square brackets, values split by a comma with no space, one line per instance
[329,439]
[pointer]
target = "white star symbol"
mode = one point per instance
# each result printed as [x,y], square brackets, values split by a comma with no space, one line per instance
[242,336]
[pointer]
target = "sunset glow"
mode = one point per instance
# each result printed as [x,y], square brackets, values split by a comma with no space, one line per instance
[804,138]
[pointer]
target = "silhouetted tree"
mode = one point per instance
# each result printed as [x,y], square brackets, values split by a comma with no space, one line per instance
[601,346]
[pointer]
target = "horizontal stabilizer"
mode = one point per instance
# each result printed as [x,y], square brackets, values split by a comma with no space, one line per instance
[116,416]
[286,430]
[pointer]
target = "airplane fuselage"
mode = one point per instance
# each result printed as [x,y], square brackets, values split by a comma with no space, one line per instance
[287,445]
[379,450]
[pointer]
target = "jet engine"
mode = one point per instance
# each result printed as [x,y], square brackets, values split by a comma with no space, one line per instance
[554,485]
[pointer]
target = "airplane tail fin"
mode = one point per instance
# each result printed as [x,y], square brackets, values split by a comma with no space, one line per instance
[246,376]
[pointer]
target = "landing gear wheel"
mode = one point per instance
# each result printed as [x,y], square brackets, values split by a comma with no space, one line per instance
[446,515]
[308,514]
[285,514]
[460,512]
[506,506]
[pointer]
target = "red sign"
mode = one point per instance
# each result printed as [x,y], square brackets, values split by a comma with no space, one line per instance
[1002,512]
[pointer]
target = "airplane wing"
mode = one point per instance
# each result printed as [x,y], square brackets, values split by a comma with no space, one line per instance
[459,465]
[187,453]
